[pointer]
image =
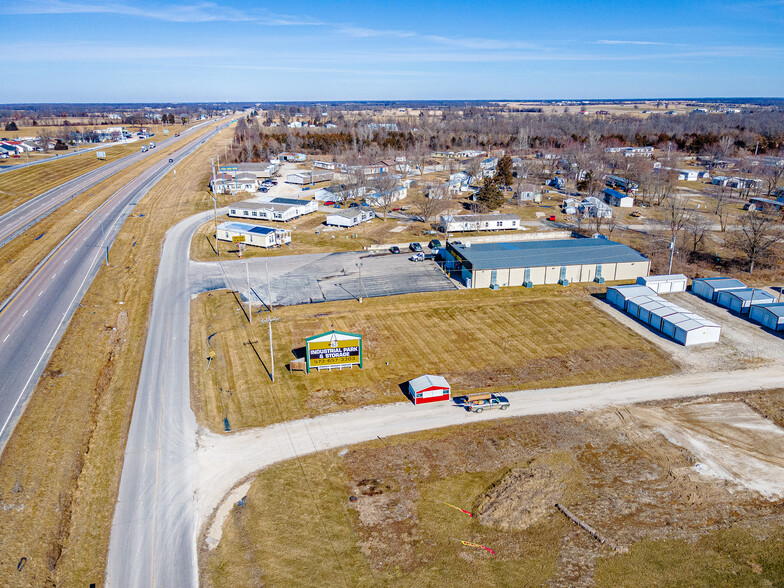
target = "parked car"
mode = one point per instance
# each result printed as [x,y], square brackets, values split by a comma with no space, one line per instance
[264,189]
[479,402]
[635,214]
[415,247]
[417,257]
[434,244]
[551,217]
[176,134]
[329,203]
[171,160]
[394,249]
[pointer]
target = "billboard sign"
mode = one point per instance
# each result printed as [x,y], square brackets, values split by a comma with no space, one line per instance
[238,238]
[333,350]
[228,168]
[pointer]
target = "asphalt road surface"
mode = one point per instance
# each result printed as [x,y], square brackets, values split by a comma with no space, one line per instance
[36,315]
[320,277]
[16,221]
[59,156]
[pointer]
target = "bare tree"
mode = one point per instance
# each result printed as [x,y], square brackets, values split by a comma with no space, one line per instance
[772,174]
[385,186]
[437,201]
[697,226]
[758,234]
[676,215]
[721,195]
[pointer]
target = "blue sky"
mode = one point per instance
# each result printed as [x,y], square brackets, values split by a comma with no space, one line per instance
[137,51]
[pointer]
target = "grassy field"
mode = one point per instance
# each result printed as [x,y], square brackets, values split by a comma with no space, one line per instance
[661,529]
[60,470]
[20,185]
[513,339]
[20,256]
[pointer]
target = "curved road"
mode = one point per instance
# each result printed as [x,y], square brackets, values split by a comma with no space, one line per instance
[174,478]
[34,318]
[16,221]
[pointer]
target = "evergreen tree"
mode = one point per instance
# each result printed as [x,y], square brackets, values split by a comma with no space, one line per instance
[503,171]
[490,195]
[11,126]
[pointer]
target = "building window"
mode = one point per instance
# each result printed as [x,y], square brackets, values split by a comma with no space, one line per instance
[500,223]
[233,211]
[245,212]
[254,213]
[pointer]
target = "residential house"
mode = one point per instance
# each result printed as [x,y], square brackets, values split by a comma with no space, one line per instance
[350,217]
[478,222]
[528,193]
[619,199]
[592,207]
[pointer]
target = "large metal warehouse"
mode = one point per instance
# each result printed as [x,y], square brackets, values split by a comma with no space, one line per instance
[769,315]
[546,262]
[741,301]
[664,284]
[709,288]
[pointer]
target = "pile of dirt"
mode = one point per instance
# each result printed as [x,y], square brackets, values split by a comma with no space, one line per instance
[523,496]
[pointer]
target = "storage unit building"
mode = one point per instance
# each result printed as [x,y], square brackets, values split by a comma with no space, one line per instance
[659,315]
[641,305]
[709,288]
[769,315]
[664,284]
[741,301]
[691,329]
[429,388]
[254,234]
[620,295]
[545,262]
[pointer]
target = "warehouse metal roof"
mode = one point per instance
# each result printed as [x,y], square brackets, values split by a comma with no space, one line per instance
[527,254]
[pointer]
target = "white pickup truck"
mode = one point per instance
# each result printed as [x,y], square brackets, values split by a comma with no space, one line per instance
[484,401]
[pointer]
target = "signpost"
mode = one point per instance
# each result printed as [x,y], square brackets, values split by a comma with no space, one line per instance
[333,350]
[239,239]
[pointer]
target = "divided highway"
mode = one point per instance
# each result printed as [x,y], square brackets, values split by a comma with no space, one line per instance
[34,318]
[18,220]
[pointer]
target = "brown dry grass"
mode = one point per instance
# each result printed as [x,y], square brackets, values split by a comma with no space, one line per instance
[19,257]
[619,478]
[60,470]
[18,186]
[512,339]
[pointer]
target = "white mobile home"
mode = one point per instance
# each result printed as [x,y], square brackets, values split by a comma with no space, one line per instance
[664,284]
[709,288]
[620,295]
[479,222]
[350,217]
[769,315]
[309,177]
[741,301]
[688,175]
[277,209]
[254,234]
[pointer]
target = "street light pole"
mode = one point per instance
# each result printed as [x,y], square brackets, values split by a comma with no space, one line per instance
[215,208]
[672,251]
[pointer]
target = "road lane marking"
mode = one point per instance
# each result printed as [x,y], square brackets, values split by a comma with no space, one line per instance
[6,337]
[41,292]
[54,276]
[66,261]
[25,312]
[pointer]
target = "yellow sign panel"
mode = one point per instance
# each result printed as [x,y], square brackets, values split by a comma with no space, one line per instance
[238,238]
[334,353]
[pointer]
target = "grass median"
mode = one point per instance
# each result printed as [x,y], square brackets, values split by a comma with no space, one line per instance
[60,471]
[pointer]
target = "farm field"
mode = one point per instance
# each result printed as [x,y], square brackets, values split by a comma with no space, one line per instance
[60,470]
[658,511]
[479,340]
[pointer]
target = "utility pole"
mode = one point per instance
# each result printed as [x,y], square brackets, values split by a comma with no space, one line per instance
[269,324]
[247,280]
[672,251]
[215,208]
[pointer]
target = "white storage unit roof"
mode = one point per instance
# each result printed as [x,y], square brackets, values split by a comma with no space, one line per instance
[620,295]
[709,288]
[658,315]
[664,284]
[769,315]
[696,330]
[634,305]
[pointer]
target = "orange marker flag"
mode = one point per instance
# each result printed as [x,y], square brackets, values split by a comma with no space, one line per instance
[469,544]
[458,508]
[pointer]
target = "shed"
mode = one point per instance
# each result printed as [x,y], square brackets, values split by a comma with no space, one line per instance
[691,329]
[429,388]
[645,309]
[619,199]
[769,315]
[664,284]
[635,305]
[620,295]
[667,310]
[740,301]
[709,288]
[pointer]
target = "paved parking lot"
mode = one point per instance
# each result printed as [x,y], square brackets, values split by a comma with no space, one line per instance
[321,277]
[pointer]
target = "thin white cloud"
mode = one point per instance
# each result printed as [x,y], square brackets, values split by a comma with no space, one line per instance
[198,12]
[97,52]
[617,42]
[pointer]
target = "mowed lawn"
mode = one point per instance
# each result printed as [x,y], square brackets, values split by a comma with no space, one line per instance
[478,340]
